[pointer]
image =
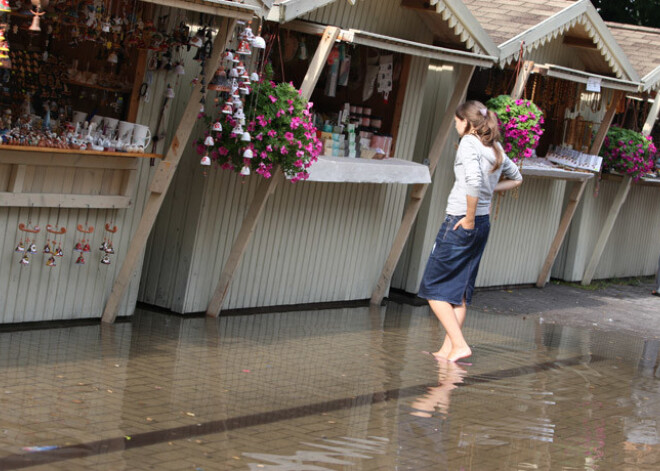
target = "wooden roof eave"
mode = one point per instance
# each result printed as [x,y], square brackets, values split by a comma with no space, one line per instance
[225,8]
[466,26]
[582,12]
[651,81]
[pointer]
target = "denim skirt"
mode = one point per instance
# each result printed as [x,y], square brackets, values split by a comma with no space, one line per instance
[451,270]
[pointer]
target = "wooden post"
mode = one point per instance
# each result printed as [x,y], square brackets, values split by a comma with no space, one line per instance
[266,188]
[521,80]
[419,191]
[576,195]
[619,199]
[163,178]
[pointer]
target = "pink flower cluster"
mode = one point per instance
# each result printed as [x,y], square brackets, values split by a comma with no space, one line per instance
[628,152]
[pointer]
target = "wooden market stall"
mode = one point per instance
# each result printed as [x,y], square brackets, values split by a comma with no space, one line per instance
[323,239]
[84,119]
[562,45]
[632,257]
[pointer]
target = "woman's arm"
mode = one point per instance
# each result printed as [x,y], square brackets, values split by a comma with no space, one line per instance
[506,185]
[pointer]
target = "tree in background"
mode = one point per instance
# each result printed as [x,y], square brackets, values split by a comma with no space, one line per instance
[636,12]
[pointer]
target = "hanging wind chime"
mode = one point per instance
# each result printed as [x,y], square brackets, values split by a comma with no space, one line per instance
[27,243]
[53,247]
[232,82]
[82,246]
[107,247]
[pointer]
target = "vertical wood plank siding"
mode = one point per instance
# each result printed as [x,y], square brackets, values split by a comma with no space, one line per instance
[633,246]
[379,16]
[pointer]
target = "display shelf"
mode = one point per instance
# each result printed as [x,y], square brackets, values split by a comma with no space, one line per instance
[355,170]
[67,178]
[543,168]
[616,177]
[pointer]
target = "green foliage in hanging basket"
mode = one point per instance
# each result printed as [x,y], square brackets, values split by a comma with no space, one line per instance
[628,152]
[281,131]
[521,125]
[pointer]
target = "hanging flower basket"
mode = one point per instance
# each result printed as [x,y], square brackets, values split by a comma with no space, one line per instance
[628,152]
[521,125]
[278,131]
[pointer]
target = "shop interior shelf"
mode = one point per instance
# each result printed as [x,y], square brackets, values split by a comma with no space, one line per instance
[356,170]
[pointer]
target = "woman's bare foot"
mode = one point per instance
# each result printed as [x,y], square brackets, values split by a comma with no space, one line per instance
[459,353]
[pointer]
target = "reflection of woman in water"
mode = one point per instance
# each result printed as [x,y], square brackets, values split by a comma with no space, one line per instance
[451,270]
[450,375]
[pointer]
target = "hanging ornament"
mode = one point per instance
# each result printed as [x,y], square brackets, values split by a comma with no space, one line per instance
[206,160]
[217,126]
[105,260]
[385,68]
[238,130]
[248,154]
[29,247]
[82,246]
[245,171]
[227,108]
[169,92]
[246,137]
[302,50]
[54,246]
[106,247]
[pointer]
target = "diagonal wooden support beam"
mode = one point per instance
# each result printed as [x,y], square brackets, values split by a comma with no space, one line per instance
[267,188]
[419,191]
[163,177]
[576,194]
[619,200]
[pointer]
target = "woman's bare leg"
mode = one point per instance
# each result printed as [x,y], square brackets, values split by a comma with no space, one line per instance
[460,312]
[448,318]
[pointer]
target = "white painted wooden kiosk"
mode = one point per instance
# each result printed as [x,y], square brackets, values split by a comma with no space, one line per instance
[565,40]
[87,188]
[323,239]
[615,190]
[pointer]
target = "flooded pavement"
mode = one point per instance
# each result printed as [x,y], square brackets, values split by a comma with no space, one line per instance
[340,389]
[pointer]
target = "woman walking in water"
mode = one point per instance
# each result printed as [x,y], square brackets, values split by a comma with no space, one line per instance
[451,270]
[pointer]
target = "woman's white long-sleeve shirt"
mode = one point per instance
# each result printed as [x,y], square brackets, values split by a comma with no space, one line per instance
[474,176]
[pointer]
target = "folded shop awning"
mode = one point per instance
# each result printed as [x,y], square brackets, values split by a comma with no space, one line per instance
[224,8]
[389,43]
[581,76]
[403,46]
